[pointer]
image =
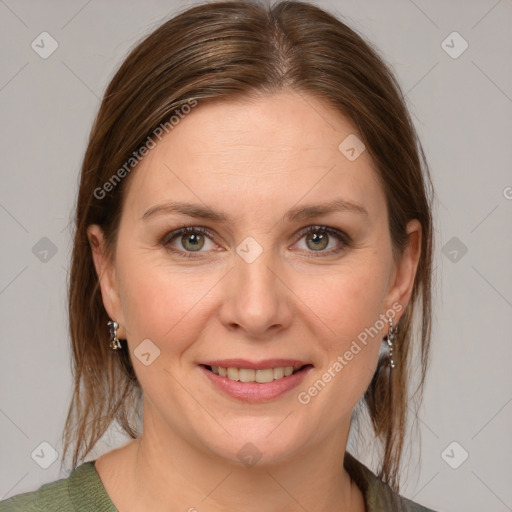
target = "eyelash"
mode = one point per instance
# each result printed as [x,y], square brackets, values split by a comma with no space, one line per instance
[340,235]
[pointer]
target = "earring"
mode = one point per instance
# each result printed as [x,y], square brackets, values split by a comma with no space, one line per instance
[390,338]
[114,340]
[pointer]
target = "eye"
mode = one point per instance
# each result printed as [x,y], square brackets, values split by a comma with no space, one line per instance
[318,238]
[191,240]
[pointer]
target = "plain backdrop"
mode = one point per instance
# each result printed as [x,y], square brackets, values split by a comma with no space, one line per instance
[461,101]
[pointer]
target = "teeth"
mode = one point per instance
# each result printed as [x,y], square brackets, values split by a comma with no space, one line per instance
[248,375]
[233,374]
[263,376]
[278,373]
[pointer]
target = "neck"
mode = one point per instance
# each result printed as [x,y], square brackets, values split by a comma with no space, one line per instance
[163,472]
[173,475]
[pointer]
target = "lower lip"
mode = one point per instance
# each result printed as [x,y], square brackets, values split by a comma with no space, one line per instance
[254,391]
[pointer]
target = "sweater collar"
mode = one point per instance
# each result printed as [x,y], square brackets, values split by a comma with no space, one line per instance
[88,493]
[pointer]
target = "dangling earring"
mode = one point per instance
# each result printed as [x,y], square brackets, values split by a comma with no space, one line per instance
[390,338]
[114,340]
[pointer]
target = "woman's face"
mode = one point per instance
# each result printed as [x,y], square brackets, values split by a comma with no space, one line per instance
[255,286]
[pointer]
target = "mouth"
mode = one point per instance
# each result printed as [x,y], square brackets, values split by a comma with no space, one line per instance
[255,382]
[260,375]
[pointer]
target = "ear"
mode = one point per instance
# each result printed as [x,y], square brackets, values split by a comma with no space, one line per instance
[405,271]
[105,269]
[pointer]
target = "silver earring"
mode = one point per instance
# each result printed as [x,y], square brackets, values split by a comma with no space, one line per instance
[390,338]
[115,344]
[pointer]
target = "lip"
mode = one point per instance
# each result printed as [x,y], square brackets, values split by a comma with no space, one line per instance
[255,365]
[254,391]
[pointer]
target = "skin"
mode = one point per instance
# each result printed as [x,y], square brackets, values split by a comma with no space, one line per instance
[254,160]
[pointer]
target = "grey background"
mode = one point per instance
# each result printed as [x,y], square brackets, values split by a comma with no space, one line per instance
[462,108]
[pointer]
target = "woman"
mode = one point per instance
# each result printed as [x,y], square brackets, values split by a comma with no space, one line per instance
[253,242]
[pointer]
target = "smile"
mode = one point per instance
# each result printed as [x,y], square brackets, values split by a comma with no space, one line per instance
[250,375]
[255,384]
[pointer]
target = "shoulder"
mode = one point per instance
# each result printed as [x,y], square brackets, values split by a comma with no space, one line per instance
[49,497]
[382,498]
[59,496]
[379,497]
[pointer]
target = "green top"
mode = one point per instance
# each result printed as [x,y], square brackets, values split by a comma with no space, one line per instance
[83,491]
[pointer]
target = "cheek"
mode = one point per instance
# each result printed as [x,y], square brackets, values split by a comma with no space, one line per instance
[159,303]
[348,300]
[164,307]
[348,308]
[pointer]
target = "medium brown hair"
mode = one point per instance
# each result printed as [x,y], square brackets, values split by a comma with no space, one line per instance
[227,50]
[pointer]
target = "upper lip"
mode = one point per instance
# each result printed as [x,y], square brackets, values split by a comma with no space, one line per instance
[255,365]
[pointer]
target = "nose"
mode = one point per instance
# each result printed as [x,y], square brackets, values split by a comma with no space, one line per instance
[256,299]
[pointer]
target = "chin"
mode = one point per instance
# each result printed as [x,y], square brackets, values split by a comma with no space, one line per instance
[261,450]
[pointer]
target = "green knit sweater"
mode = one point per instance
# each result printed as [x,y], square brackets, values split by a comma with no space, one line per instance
[83,491]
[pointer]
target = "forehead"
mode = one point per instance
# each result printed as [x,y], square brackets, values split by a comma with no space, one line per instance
[248,155]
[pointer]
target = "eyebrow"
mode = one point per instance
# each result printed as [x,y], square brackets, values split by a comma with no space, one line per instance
[295,214]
